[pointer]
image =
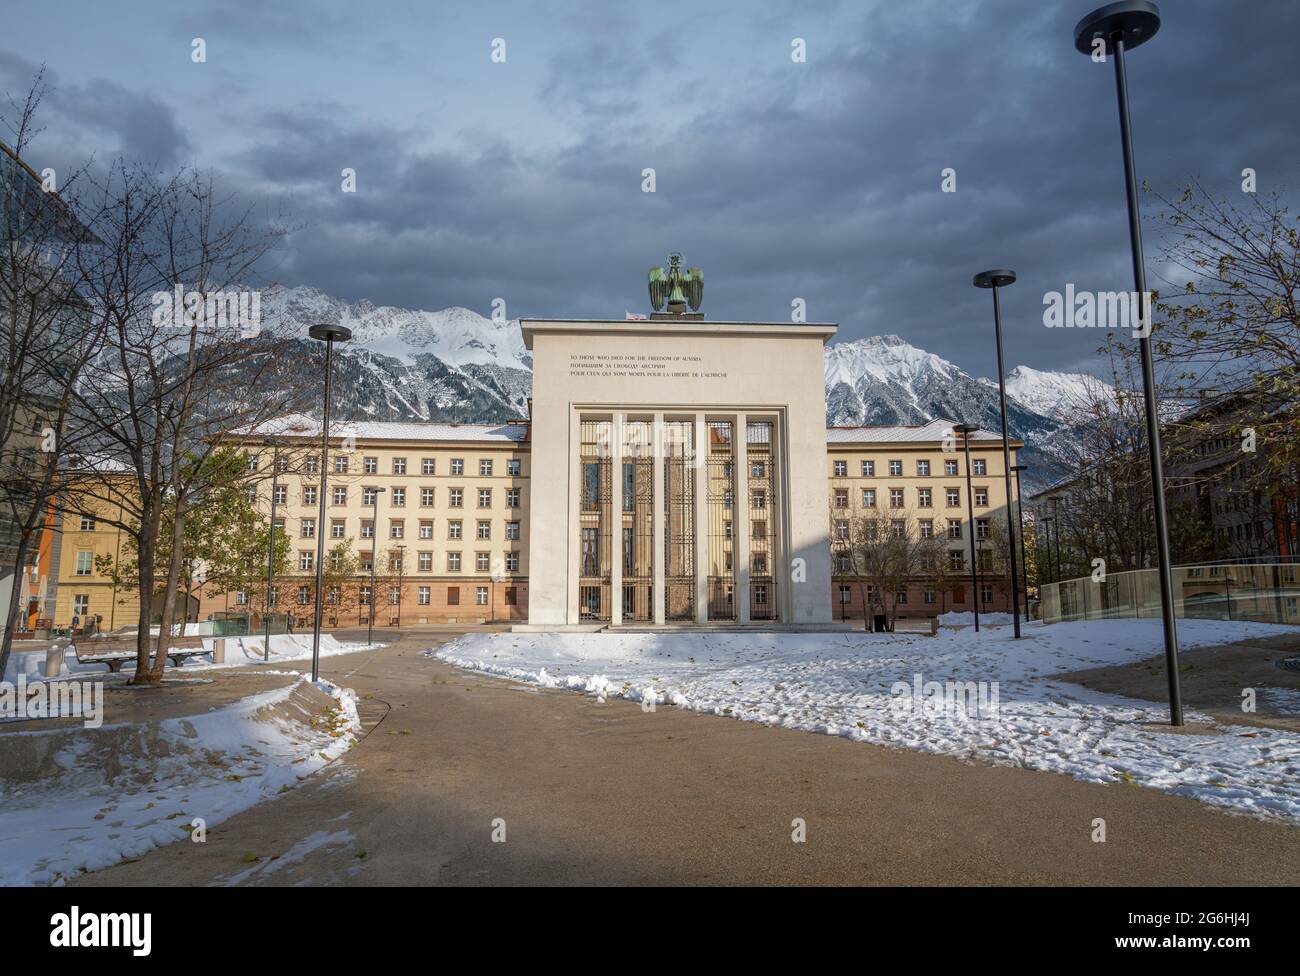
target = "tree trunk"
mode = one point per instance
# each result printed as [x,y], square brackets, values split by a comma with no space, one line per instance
[146,562]
[17,599]
[173,584]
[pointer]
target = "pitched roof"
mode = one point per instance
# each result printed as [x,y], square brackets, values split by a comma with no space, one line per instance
[935,430]
[301,425]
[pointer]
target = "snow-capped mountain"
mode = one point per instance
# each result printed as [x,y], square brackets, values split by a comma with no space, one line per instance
[886,380]
[457,365]
[453,365]
[1064,396]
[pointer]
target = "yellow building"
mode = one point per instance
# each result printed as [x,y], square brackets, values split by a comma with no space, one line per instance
[914,479]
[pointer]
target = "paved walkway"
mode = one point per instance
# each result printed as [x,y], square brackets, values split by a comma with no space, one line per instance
[605,793]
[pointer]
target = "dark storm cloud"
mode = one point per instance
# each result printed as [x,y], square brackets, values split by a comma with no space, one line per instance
[819,181]
[100,117]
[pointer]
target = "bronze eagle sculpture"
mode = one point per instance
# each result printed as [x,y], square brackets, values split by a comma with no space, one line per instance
[676,289]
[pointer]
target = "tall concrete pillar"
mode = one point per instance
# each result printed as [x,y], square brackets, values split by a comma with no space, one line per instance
[701,462]
[616,519]
[657,556]
[740,520]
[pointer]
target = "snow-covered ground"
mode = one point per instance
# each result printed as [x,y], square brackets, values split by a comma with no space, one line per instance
[860,685]
[240,651]
[119,791]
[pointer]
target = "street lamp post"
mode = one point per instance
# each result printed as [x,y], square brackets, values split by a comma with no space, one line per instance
[374,543]
[966,430]
[1112,30]
[1020,518]
[995,281]
[328,334]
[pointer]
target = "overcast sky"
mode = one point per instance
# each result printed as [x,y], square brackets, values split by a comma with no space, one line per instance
[821,180]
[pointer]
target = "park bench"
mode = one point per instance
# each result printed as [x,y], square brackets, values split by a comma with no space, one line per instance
[113,651]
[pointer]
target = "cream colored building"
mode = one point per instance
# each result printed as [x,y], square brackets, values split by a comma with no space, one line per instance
[917,476]
[678,473]
[444,508]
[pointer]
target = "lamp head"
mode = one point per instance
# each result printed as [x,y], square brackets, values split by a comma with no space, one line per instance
[1132,21]
[994,279]
[326,332]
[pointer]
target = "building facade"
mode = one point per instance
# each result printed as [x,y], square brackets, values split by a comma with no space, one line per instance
[449,510]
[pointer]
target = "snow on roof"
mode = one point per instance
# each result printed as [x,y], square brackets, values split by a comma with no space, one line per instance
[935,430]
[300,425]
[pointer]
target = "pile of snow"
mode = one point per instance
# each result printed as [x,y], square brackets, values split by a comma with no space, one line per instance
[966,618]
[849,685]
[240,651]
[124,790]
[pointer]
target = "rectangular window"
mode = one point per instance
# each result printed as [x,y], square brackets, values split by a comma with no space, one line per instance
[514,467]
[981,528]
[868,498]
[338,495]
[367,529]
[924,497]
[950,467]
[399,465]
[338,528]
[281,494]
[455,497]
[306,559]
[927,528]
[453,530]
[484,530]
[312,466]
[895,497]
[841,469]
[760,499]
[841,498]
[427,466]
[307,529]
[842,530]
[341,464]
[954,497]
[370,465]
[369,496]
[394,595]
[363,596]
[426,529]
[982,497]
[923,469]
[399,497]
[241,598]
[868,469]
[422,596]
[250,496]
[425,562]
[846,594]
[457,465]
[895,467]
[304,595]
[957,561]
[512,498]
[986,593]
[929,596]
[309,495]
[252,462]
[512,562]
[481,596]
[485,498]
[482,562]
[453,562]
[397,529]
[87,524]
[485,467]
[426,497]
[85,562]
[954,528]
[980,466]
[512,531]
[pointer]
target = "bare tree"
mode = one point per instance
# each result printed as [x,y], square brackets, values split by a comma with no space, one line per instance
[47,335]
[883,555]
